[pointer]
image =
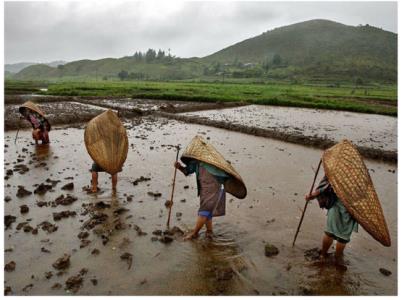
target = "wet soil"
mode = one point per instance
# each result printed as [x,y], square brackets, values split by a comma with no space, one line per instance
[375,135]
[234,262]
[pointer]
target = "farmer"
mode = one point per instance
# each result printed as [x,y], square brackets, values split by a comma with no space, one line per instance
[39,124]
[340,224]
[210,186]
[95,169]
[107,144]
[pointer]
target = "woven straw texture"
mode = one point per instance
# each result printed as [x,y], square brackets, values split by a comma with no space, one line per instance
[33,107]
[198,149]
[106,141]
[348,175]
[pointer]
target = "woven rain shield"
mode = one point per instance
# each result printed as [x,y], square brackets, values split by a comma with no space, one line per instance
[106,141]
[198,149]
[34,108]
[350,179]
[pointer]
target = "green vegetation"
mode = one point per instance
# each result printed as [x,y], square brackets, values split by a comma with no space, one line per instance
[380,99]
[315,64]
[316,51]
[15,87]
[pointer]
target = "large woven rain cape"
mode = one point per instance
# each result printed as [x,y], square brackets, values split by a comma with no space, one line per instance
[198,149]
[350,179]
[34,108]
[106,141]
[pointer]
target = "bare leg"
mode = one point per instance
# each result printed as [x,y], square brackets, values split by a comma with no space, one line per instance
[209,227]
[114,182]
[200,223]
[326,244]
[339,251]
[339,261]
[94,182]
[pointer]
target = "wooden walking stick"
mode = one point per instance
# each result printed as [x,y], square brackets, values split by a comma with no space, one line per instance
[173,189]
[17,132]
[306,204]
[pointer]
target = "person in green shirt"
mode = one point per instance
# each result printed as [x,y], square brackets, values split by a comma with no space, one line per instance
[210,186]
[340,224]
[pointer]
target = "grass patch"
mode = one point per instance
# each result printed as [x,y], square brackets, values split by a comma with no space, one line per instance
[349,98]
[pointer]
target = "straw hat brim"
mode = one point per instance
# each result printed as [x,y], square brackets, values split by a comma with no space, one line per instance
[199,150]
[34,108]
[350,179]
[107,142]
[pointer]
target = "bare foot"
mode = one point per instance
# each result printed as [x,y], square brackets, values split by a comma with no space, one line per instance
[209,234]
[93,190]
[340,265]
[191,236]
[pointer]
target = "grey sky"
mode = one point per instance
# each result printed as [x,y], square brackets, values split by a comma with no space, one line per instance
[48,31]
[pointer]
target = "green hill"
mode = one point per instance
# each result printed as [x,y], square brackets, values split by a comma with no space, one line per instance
[316,50]
[320,46]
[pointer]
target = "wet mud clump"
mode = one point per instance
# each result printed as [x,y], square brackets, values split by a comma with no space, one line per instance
[22,192]
[270,250]
[127,257]
[48,227]
[141,179]
[43,188]
[24,209]
[74,283]
[62,262]
[68,186]
[8,220]
[64,214]
[65,200]
[10,266]
[385,272]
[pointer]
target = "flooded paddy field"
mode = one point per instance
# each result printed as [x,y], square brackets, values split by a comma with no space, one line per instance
[369,131]
[56,112]
[113,241]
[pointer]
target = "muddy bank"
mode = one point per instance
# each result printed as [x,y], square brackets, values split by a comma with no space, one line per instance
[58,113]
[73,110]
[19,99]
[148,106]
[292,137]
[365,130]
[68,241]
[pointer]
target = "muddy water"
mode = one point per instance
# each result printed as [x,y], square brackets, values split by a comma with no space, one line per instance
[277,175]
[56,112]
[373,131]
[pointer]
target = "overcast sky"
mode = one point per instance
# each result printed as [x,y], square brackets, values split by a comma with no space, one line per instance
[48,31]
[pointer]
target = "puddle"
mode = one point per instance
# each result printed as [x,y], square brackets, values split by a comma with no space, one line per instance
[277,175]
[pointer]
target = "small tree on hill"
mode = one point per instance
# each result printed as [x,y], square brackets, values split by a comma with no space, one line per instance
[150,55]
[123,75]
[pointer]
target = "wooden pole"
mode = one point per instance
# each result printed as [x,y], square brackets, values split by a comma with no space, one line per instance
[17,132]
[306,204]
[173,189]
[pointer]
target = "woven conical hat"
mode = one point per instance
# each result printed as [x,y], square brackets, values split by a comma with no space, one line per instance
[350,179]
[33,107]
[106,141]
[198,149]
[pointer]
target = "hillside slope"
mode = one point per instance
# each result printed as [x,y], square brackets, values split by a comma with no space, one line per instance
[311,50]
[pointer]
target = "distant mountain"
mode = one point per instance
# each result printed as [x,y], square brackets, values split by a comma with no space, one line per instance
[17,67]
[315,40]
[311,50]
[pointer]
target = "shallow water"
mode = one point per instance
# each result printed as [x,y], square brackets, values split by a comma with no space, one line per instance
[277,176]
[373,131]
